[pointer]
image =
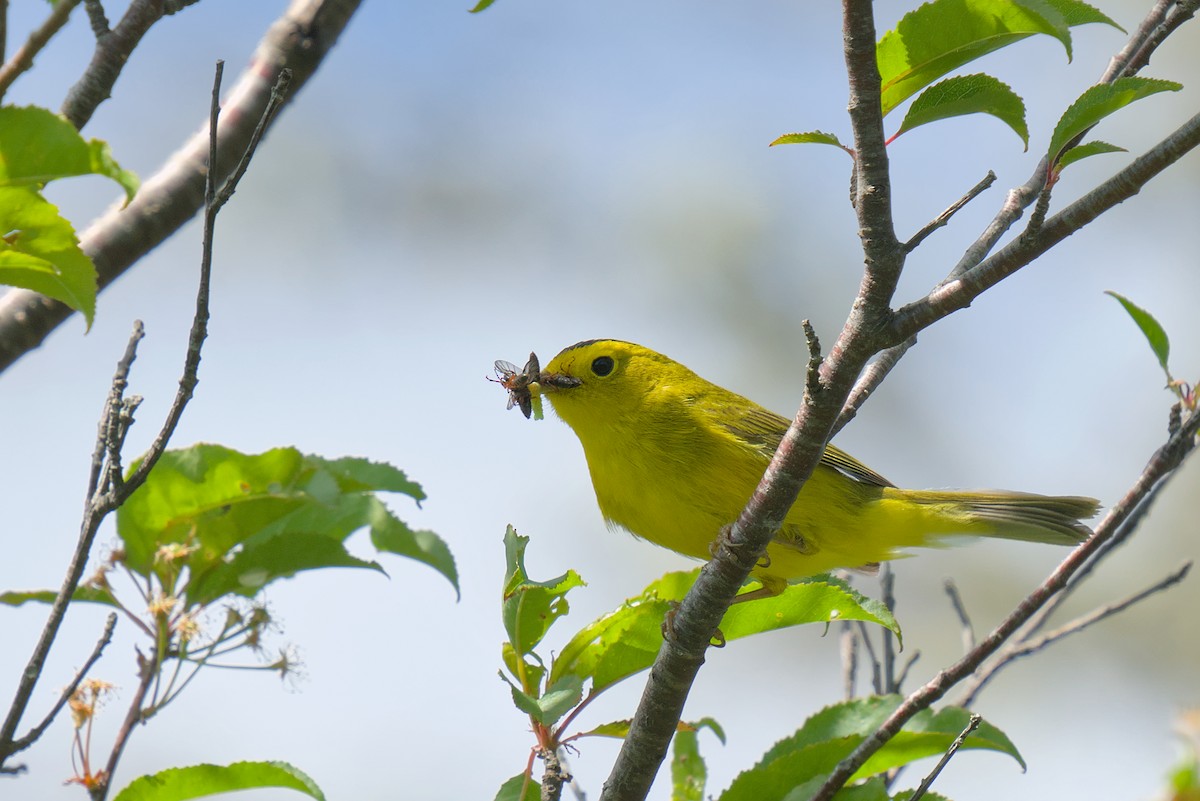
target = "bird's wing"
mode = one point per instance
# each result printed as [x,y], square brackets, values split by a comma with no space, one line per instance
[763,430]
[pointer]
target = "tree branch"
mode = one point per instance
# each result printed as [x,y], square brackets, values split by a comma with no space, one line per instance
[1162,465]
[299,40]
[36,732]
[1030,644]
[22,60]
[958,293]
[736,553]
[113,48]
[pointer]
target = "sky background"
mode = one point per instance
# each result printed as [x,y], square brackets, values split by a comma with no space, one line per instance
[452,189]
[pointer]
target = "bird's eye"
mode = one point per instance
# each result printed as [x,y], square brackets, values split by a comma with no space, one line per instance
[603,365]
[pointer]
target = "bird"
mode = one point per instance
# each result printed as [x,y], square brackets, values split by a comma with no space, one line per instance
[674,458]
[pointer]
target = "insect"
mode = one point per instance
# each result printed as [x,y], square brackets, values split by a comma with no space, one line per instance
[517,383]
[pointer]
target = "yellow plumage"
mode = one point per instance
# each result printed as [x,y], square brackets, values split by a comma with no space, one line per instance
[674,458]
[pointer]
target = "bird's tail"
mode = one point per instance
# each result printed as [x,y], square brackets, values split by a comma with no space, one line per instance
[1007,515]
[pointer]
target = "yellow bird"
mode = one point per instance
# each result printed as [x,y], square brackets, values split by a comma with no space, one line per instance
[674,459]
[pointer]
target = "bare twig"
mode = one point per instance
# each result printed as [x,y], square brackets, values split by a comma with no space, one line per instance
[300,39]
[870,379]
[22,60]
[146,672]
[1027,645]
[849,649]
[876,664]
[92,517]
[113,48]
[958,293]
[928,781]
[908,664]
[887,589]
[1161,467]
[960,609]
[97,18]
[942,219]
[36,732]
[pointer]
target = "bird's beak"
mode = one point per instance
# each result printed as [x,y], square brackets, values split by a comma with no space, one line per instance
[548,382]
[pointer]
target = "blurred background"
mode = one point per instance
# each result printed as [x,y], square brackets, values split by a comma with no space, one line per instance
[452,189]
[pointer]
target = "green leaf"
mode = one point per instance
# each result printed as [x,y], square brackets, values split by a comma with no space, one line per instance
[688,771]
[198,781]
[511,790]
[82,594]
[968,94]
[1097,103]
[943,35]
[833,733]
[616,728]
[361,475]
[1076,13]
[810,137]
[1086,150]
[391,535]
[1150,328]
[245,520]
[548,708]
[37,146]
[531,607]
[626,640]
[39,251]
[873,789]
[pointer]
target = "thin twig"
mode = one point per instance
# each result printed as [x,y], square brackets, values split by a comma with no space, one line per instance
[908,664]
[22,60]
[214,201]
[876,664]
[870,379]
[113,49]
[1118,66]
[36,732]
[849,649]
[1029,644]
[92,517]
[928,781]
[944,218]
[887,589]
[146,673]
[960,609]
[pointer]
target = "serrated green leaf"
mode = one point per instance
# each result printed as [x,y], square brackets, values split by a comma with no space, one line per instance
[1154,333]
[82,594]
[626,641]
[618,729]
[810,137]
[968,94]
[1086,150]
[198,781]
[520,787]
[833,733]
[355,474]
[39,251]
[1099,102]
[391,535]
[531,607]
[689,773]
[1080,13]
[943,35]
[37,146]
